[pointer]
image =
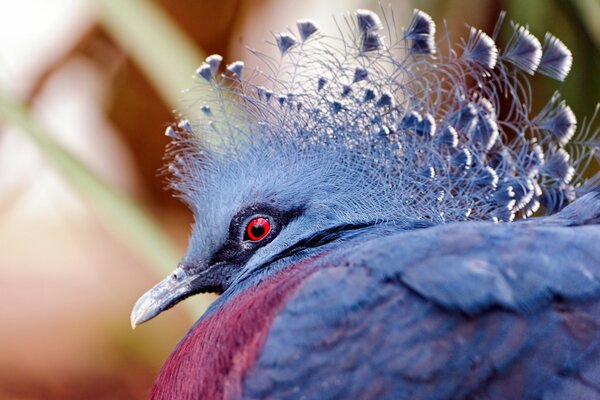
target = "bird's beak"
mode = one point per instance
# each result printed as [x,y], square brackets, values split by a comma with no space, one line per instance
[164,295]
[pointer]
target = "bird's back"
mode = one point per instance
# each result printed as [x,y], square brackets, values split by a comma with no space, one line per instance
[475,311]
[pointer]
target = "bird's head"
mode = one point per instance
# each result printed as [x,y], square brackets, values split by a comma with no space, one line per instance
[258,203]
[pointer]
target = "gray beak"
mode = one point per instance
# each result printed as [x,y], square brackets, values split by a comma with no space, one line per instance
[164,295]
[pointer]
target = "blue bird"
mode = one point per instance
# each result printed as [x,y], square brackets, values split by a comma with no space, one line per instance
[385,217]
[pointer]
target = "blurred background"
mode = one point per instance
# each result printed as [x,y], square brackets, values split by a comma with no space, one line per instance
[87,88]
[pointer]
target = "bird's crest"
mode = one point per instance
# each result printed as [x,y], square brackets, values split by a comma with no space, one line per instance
[447,130]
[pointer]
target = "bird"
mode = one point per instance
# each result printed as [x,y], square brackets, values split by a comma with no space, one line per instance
[385,215]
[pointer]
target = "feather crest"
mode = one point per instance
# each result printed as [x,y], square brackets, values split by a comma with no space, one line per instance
[447,137]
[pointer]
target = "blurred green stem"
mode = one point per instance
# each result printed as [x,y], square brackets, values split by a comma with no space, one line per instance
[159,48]
[589,12]
[120,213]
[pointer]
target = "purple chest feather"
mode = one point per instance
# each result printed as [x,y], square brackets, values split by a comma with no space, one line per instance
[210,362]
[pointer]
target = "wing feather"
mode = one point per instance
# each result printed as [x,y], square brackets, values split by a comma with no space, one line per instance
[467,310]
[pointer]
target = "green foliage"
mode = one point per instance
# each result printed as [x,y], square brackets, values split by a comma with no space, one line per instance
[119,213]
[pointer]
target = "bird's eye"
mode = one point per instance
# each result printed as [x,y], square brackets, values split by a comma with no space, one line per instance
[257,229]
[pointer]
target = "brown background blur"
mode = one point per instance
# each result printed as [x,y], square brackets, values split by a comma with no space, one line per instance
[69,271]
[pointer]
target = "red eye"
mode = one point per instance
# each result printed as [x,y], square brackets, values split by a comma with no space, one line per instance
[257,229]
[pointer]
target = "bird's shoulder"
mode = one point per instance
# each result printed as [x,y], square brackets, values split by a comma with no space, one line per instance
[446,311]
[472,266]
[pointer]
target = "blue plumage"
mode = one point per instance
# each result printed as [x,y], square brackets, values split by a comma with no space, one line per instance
[355,210]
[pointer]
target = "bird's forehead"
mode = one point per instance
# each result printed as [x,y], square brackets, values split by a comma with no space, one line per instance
[264,173]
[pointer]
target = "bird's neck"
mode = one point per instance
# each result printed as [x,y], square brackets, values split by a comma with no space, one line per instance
[214,356]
